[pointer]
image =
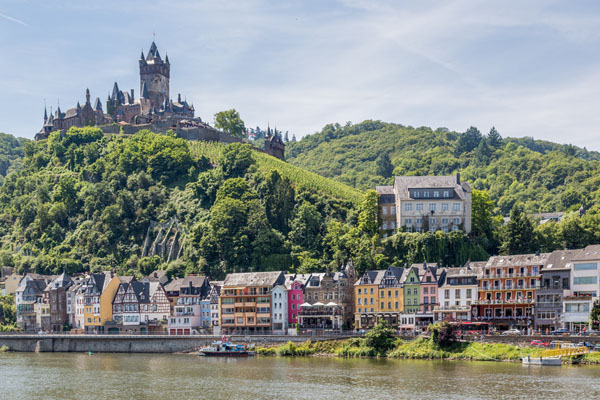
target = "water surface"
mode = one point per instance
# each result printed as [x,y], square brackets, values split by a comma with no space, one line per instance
[153,376]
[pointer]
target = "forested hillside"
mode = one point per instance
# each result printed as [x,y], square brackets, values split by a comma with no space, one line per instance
[11,153]
[544,176]
[86,201]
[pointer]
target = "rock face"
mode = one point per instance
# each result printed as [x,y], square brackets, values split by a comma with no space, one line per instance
[164,240]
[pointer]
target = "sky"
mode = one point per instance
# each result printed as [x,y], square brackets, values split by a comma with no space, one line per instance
[529,68]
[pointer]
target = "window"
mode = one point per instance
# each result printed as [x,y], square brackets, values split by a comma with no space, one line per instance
[385,225]
[372,291]
[408,221]
[384,210]
[447,293]
[444,221]
[426,194]
[382,294]
[436,193]
[382,305]
[419,206]
[393,210]
[456,206]
[371,300]
[416,194]
[432,206]
[358,290]
[469,293]
[457,293]
[585,280]
[446,193]
[407,206]
[359,301]
[419,221]
[432,221]
[445,206]
[425,290]
[586,266]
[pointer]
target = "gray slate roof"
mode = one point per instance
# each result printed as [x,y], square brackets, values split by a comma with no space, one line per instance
[254,279]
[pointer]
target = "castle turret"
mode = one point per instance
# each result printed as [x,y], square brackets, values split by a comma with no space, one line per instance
[155,74]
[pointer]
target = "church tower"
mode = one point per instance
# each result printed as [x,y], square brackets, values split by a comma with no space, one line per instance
[154,77]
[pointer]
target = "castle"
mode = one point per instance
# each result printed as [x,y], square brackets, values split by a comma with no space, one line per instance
[154,110]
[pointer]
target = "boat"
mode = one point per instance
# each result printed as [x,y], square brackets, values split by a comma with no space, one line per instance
[550,361]
[224,348]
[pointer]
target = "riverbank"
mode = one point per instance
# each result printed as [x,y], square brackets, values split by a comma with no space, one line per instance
[422,348]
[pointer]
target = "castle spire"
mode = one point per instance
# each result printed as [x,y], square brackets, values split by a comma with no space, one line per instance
[167,58]
[142,56]
[144,93]
[87,96]
[45,115]
[115,92]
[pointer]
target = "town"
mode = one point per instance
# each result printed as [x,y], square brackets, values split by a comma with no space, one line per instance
[543,293]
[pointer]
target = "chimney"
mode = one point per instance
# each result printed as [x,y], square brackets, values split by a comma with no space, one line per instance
[131,95]
[179,98]
[458,178]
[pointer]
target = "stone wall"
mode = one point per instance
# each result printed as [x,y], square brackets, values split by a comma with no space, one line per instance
[131,344]
[196,133]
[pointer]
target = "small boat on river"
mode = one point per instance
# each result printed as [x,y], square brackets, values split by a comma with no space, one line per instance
[224,348]
[551,361]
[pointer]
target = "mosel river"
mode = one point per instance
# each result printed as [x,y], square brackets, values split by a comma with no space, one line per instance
[176,377]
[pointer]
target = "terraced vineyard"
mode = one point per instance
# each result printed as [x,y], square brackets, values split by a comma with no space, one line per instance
[301,177]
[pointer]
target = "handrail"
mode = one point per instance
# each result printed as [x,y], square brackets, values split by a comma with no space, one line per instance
[566,352]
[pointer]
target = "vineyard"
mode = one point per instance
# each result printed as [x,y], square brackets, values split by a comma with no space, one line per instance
[302,178]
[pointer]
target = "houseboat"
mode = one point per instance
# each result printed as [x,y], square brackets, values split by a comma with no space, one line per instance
[224,348]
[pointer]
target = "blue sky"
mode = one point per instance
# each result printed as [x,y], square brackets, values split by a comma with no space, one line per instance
[530,68]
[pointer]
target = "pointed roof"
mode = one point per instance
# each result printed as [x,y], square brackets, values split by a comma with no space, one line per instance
[45,114]
[142,56]
[167,59]
[115,92]
[153,52]
[97,104]
[144,93]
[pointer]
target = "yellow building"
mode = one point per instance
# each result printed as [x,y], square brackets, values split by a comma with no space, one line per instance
[92,288]
[378,296]
[107,297]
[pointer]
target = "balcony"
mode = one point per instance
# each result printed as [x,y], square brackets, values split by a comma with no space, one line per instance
[501,301]
[507,287]
[452,308]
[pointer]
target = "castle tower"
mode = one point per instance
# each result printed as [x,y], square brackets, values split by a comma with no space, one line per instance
[154,76]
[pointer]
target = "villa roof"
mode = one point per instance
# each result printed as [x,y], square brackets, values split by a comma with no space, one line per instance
[254,279]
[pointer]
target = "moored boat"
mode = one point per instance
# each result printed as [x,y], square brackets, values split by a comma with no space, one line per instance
[223,348]
[551,361]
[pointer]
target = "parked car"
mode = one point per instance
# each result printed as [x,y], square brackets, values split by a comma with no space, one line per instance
[539,343]
[592,332]
[562,332]
[511,332]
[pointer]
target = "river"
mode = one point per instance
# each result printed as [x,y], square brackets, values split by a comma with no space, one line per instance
[176,377]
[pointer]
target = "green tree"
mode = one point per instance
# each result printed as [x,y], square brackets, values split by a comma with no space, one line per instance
[230,122]
[385,167]
[369,218]
[519,236]
[494,139]
[306,228]
[443,334]
[279,197]
[236,160]
[381,338]
[467,141]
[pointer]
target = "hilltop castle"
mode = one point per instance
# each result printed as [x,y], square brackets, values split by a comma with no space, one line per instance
[154,110]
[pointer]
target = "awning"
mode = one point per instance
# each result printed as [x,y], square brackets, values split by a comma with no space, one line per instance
[318,303]
[305,305]
[331,304]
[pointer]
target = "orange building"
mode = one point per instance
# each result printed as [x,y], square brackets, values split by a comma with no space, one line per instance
[246,301]
[507,290]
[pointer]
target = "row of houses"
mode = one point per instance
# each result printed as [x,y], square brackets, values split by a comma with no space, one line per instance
[530,292]
[541,292]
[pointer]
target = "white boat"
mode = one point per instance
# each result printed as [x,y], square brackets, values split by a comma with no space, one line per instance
[553,361]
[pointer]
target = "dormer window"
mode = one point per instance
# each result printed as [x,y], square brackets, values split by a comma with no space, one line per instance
[416,194]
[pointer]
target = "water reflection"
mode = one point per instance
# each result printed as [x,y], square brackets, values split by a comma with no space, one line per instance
[77,376]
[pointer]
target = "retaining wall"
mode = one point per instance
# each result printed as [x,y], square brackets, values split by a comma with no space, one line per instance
[133,344]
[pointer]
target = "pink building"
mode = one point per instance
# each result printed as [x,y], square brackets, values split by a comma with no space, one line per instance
[295,298]
[429,275]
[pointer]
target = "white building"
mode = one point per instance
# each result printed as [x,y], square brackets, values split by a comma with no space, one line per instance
[457,293]
[585,287]
[280,309]
[426,203]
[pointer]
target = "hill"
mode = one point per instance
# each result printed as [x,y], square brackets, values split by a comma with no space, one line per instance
[11,153]
[88,202]
[544,176]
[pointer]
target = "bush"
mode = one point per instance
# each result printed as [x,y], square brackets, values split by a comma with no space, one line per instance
[443,334]
[381,338]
